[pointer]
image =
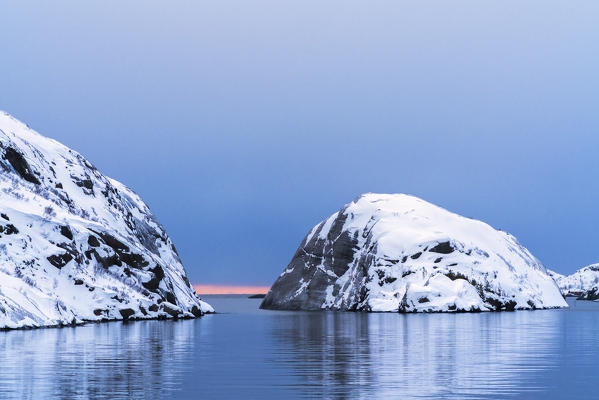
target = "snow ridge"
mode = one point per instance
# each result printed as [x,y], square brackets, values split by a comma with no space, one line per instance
[77,246]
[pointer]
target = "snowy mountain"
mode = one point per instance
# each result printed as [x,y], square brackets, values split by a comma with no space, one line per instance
[583,283]
[77,246]
[394,252]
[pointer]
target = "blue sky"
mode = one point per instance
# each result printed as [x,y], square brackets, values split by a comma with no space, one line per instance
[243,124]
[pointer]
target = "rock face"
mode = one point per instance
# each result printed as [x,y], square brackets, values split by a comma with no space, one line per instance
[398,253]
[77,246]
[582,284]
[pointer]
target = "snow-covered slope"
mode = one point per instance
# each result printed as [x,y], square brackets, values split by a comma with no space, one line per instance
[583,283]
[393,252]
[77,246]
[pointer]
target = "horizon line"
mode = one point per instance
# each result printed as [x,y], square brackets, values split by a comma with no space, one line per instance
[230,289]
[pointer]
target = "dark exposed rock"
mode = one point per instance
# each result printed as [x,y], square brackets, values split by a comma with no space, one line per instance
[123,253]
[196,312]
[134,260]
[496,304]
[158,271]
[78,282]
[106,261]
[113,242]
[443,248]
[532,304]
[510,305]
[170,297]
[60,260]
[9,229]
[456,275]
[126,313]
[4,216]
[117,298]
[170,311]
[152,284]
[20,165]
[83,183]
[66,232]
[93,241]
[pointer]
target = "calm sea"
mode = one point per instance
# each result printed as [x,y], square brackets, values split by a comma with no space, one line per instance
[245,353]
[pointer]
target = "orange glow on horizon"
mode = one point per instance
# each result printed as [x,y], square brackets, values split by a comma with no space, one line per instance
[230,289]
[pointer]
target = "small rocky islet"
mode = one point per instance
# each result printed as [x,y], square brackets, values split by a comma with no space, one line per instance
[398,253]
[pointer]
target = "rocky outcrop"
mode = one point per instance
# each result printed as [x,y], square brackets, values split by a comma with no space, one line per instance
[398,253]
[77,246]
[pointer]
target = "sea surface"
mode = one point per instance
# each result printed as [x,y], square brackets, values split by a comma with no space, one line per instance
[246,353]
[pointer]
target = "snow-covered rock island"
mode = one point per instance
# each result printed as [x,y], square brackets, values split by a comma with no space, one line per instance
[582,284]
[77,246]
[397,253]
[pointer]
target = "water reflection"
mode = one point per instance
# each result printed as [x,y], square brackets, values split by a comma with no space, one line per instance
[346,355]
[103,361]
[330,353]
[246,353]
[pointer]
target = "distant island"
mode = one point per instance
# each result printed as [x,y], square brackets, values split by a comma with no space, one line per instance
[582,284]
